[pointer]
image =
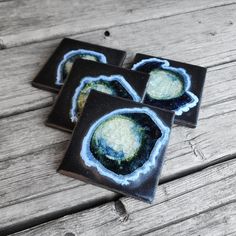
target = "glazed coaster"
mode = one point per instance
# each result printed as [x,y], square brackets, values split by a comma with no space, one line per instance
[57,68]
[86,75]
[173,85]
[119,144]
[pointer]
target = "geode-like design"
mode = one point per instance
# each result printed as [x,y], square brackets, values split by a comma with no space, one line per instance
[66,64]
[125,144]
[168,87]
[115,85]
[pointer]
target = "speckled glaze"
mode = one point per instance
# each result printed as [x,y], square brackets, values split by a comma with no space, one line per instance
[119,146]
[125,144]
[115,85]
[168,86]
[66,64]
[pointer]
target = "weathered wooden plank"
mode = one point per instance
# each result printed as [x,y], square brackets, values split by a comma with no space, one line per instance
[26,173]
[26,133]
[34,175]
[30,134]
[205,38]
[34,191]
[58,18]
[182,202]
[217,222]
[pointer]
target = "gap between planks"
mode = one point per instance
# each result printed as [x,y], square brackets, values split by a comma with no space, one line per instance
[213,108]
[65,184]
[198,46]
[213,105]
[33,175]
[26,34]
[179,202]
[119,206]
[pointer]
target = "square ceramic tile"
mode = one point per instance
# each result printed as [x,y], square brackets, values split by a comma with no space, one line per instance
[86,75]
[173,86]
[57,68]
[119,144]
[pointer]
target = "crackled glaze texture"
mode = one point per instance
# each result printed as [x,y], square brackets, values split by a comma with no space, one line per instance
[125,144]
[66,64]
[114,85]
[168,87]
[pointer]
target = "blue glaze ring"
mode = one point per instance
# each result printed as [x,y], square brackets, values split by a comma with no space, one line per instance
[90,161]
[100,57]
[88,79]
[165,65]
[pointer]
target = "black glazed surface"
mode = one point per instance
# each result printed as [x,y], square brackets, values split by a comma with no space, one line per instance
[45,79]
[60,114]
[197,77]
[99,105]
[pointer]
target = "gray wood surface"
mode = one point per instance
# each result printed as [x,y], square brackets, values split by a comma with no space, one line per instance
[32,152]
[28,21]
[194,37]
[31,192]
[200,204]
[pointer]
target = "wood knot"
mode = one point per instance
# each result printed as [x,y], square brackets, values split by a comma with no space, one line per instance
[107,33]
[213,33]
[120,209]
[130,10]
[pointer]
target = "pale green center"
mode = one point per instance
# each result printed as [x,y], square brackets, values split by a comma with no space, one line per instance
[120,134]
[69,63]
[88,57]
[68,66]
[163,85]
[85,92]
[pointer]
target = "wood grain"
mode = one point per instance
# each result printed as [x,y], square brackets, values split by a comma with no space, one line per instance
[30,154]
[29,134]
[205,37]
[32,192]
[53,19]
[219,221]
[180,203]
